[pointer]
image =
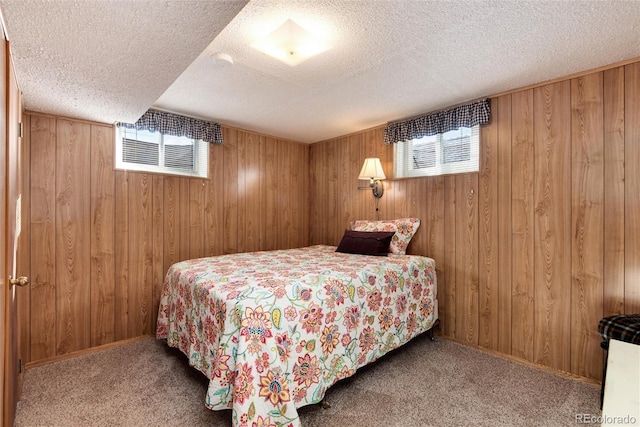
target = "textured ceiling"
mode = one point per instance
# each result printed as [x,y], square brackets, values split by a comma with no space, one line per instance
[111,60]
[107,61]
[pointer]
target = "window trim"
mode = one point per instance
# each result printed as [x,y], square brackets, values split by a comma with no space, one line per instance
[403,149]
[201,167]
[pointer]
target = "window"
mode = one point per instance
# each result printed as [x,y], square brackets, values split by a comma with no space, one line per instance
[142,150]
[455,151]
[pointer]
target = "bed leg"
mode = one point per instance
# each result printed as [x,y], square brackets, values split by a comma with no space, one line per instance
[436,325]
[325,404]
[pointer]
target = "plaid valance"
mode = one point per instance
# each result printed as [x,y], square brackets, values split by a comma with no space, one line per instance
[477,113]
[173,124]
[623,327]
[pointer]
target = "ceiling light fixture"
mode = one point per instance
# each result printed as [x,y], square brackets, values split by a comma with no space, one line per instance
[291,44]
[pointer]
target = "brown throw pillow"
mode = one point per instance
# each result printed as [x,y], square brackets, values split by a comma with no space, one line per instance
[366,242]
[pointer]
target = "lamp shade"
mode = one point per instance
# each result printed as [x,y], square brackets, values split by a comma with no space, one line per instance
[372,169]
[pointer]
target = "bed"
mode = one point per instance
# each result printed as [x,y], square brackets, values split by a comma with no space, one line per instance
[272,331]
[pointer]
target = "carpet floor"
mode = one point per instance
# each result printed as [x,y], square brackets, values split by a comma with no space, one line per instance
[424,383]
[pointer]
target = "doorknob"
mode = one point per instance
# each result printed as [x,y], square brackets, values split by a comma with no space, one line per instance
[20,281]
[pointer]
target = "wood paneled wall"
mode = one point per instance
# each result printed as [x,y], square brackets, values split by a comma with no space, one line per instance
[102,240]
[541,243]
[531,251]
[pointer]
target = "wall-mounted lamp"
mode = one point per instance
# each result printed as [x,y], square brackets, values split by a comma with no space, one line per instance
[372,171]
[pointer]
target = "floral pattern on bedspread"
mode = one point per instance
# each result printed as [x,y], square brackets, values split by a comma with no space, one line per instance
[274,330]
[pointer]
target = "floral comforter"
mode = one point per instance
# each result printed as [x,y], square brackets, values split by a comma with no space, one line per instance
[274,330]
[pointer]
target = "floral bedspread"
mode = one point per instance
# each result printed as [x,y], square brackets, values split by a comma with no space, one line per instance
[274,330]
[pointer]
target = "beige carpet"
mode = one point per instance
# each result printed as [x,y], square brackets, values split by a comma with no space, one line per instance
[425,383]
